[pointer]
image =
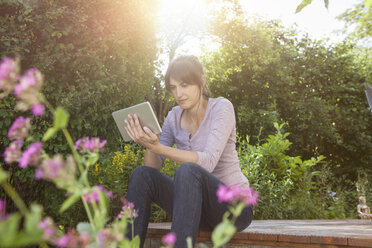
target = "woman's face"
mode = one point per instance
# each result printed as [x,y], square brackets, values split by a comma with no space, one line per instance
[186,95]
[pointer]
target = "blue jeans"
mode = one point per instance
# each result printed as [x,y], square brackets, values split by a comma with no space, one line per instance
[190,198]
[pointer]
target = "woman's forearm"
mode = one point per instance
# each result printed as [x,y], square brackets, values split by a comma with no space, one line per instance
[174,154]
[152,160]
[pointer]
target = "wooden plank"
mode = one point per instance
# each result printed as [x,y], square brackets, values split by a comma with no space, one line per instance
[328,240]
[308,233]
[294,239]
[361,242]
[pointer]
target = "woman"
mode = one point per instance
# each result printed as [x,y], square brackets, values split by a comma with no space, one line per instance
[204,131]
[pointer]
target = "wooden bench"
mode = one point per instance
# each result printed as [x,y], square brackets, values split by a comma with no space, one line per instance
[285,233]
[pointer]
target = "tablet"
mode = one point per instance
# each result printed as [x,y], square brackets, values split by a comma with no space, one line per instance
[145,115]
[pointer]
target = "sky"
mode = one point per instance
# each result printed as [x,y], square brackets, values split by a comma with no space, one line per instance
[314,19]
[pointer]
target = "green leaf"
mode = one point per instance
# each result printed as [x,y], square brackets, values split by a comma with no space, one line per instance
[136,241]
[32,220]
[49,133]
[302,5]
[8,230]
[60,118]
[84,227]
[326,3]
[69,202]
[3,175]
[92,159]
[223,233]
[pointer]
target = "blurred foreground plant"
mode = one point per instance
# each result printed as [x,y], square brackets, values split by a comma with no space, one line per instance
[70,174]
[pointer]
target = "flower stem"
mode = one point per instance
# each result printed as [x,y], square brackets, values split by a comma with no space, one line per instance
[75,154]
[15,197]
[87,209]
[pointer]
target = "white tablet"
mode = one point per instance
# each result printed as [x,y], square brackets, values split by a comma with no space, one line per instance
[145,115]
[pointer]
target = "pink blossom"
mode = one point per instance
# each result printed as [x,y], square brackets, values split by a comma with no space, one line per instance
[169,239]
[32,155]
[38,109]
[84,239]
[9,69]
[70,239]
[62,241]
[234,194]
[43,224]
[57,168]
[20,128]
[93,196]
[27,91]
[128,211]
[49,230]
[13,151]
[93,144]
[38,174]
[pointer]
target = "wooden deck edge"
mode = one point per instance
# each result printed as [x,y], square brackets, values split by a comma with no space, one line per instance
[277,240]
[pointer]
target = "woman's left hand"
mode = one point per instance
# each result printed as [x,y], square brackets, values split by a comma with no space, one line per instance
[143,136]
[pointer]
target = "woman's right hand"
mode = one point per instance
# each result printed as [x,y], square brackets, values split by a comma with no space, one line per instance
[143,136]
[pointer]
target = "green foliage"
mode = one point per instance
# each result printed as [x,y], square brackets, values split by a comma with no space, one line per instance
[359,18]
[289,187]
[272,75]
[13,235]
[96,56]
[114,173]
[304,3]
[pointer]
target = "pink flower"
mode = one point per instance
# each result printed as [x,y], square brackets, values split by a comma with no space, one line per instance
[128,211]
[27,91]
[20,128]
[169,239]
[32,155]
[70,239]
[93,196]
[57,168]
[13,151]
[84,239]
[9,69]
[38,109]
[93,144]
[224,194]
[234,194]
[38,174]
[62,241]
[49,230]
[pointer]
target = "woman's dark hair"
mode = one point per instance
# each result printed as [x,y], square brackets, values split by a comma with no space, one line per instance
[186,69]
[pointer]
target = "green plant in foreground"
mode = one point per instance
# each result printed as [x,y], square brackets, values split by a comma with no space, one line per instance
[70,174]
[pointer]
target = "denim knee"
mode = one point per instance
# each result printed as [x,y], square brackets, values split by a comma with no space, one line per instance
[140,173]
[187,172]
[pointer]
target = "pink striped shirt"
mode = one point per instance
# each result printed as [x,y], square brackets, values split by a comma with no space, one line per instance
[214,141]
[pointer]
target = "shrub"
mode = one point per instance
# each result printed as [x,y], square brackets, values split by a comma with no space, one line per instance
[114,173]
[290,188]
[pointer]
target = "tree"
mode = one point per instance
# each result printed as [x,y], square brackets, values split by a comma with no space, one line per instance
[97,56]
[360,17]
[272,75]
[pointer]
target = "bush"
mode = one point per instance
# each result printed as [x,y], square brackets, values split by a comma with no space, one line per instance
[114,174]
[290,188]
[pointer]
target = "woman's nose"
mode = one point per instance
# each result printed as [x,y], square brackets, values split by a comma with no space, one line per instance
[178,93]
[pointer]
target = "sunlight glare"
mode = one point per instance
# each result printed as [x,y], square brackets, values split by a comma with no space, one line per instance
[182,16]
